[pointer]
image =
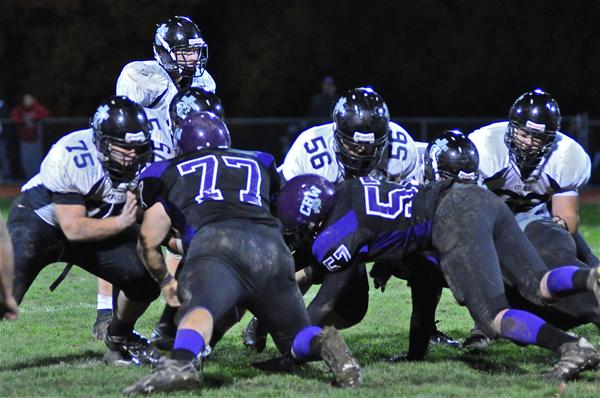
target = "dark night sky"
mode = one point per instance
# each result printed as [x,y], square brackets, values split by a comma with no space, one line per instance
[426,58]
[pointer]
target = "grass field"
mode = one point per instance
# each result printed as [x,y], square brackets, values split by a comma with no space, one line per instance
[49,351]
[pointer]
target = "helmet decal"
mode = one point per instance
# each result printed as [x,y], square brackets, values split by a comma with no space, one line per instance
[311,202]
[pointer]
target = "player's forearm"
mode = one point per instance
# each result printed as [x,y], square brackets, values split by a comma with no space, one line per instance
[153,260]
[91,229]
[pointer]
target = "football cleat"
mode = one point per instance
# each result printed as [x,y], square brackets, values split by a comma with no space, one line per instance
[169,375]
[476,340]
[251,337]
[441,338]
[130,349]
[574,358]
[103,319]
[163,336]
[336,354]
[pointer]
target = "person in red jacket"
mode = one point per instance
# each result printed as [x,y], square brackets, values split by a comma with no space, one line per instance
[27,117]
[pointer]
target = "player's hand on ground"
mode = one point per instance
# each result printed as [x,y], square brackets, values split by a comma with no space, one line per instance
[170,294]
[128,215]
[381,274]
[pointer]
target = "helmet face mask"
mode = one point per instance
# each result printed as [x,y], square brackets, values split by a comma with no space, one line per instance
[451,155]
[534,120]
[122,138]
[361,130]
[358,157]
[180,48]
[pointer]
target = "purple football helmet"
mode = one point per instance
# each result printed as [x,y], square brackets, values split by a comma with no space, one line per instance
[201,130]
[302,204]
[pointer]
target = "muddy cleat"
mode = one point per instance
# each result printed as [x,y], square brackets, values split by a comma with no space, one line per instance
[476,340]
[336,354]
[163,336]
[252,336]
[103,318]
[132,347]
[441,338]
[593,282]
[169,375]
[574,358]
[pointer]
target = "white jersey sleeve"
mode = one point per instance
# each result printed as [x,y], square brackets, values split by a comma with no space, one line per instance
[493,153]
[312,153]
[162,138]
[206,81]
[72,165]
[145,82]
[569,166]
[403,156]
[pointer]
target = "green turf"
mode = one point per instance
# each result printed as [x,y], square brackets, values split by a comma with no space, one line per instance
[49,351]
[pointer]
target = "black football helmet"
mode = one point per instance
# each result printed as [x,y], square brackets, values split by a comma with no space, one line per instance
[451,154]
[533,121]
[361,129]
[201,130]
[118,121]
[194,99]
[180,35]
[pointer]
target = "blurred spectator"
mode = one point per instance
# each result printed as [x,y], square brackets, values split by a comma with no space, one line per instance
[27,117]
[321,104]
[5,166]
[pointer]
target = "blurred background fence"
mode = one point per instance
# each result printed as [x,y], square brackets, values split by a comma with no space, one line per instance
[275,135]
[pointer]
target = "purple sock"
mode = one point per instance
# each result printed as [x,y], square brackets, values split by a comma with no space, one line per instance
[189,340]
[560,281]
[301,345]
[520,326]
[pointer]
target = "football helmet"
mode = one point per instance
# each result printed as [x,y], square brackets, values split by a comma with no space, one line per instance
[194,99]
[120,126]
[201,130]
[451,154]
[533,121]
[361,129]
[302,204]
[179,47]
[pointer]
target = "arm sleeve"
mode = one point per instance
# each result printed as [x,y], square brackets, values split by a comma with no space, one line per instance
[151,185]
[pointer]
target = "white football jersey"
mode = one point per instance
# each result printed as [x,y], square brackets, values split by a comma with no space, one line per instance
[161,135]
[566,170]
[147,83]
[72,167]
[313,152]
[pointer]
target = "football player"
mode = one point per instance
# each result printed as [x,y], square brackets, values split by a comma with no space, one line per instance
[180,53]
[455,156]
[186,101]
[361,140]
[218,199]
[472,231]
[180,57]
[163,148]
[79,209]
[538,171]
[8,305]
[534,167]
